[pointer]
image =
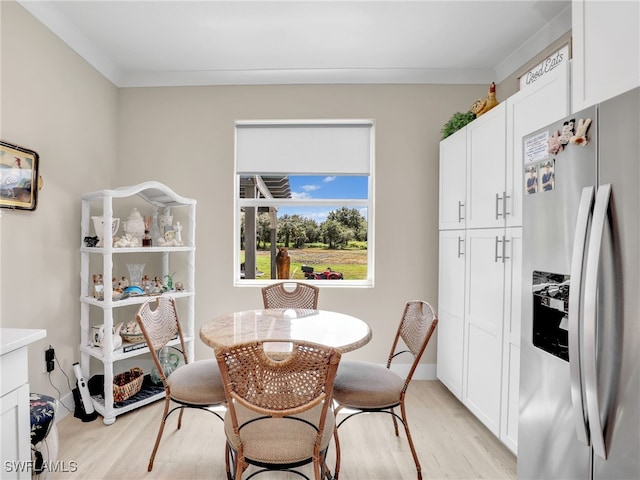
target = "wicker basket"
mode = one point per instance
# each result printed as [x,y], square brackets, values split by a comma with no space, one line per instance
[127,384]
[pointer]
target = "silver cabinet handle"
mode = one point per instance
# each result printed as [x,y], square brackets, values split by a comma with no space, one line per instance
[460,242]
[504,249]
[498,200]
[504,208]
[498,241]
[575,301]
[591,321]
[460,206]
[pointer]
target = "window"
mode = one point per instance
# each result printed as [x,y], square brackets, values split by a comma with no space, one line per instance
[304,201]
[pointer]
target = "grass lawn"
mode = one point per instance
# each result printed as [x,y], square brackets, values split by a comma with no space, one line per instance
[351,263]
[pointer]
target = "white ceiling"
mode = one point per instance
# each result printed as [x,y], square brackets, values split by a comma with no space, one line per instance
[162,43]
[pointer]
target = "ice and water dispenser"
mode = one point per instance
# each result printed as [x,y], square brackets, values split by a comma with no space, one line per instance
[550,313]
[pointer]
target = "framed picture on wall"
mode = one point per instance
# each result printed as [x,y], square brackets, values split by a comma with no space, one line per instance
[19,180]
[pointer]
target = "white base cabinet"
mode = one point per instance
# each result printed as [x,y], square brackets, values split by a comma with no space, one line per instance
[175,260]
[483,321]
[451,309]
[511,340]
[15,418]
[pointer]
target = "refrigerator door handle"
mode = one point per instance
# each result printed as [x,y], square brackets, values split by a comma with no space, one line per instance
[575,301]
[591,319]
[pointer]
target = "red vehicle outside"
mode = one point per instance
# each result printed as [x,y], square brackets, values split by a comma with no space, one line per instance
[327,274]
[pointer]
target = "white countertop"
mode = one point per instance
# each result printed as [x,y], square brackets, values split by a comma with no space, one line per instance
[13,338]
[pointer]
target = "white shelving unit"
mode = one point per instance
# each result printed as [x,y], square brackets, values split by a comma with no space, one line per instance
[102,203]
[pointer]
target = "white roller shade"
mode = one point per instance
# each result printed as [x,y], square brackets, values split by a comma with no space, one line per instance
[289,148]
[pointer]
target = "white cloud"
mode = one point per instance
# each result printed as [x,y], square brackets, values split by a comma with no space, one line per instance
[328,179]
[310,188]
[300,195]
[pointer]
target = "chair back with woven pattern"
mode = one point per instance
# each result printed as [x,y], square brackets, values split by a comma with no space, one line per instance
[295,385]
[194,385]
[278,384]
[159,322]
[418,323]
[290,295]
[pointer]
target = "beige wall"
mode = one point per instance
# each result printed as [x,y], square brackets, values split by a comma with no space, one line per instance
[184,137]
[53,102]
[91,135]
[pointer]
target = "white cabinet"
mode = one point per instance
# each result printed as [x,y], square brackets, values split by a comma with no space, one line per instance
[606,50]
[486,158]
[493,270]
[511,339]
[481,253]
[524,115]
[451,278]
[15,423]
[110,262]
[483,320]
[453,175]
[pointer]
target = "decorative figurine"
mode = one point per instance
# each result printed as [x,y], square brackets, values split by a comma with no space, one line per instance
[134,226]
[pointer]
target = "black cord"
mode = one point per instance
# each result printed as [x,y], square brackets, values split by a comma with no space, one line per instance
[63,372]
[56,388]
[59,394]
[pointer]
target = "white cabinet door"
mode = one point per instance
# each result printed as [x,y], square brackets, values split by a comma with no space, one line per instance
[606,50]
[15,427]
[511,339]
[451,310]
[483,323]
[453,174]
[530,109]
[486,153]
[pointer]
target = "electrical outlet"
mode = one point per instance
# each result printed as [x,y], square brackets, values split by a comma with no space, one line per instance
[49,360]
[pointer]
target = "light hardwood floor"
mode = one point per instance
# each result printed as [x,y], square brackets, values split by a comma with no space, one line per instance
[450,441]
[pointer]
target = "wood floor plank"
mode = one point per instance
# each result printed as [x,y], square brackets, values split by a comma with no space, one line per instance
[451,444]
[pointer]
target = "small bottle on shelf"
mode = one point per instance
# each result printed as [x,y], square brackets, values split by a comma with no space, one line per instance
[146,239]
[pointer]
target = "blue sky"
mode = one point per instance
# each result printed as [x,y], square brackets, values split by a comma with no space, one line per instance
[322,186]
[304,186]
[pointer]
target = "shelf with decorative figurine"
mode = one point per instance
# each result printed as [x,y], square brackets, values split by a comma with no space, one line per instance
[153,240]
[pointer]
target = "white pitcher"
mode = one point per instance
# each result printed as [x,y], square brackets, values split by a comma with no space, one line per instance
[98,225]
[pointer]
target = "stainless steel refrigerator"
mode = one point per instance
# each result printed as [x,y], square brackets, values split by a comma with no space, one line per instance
[580,338]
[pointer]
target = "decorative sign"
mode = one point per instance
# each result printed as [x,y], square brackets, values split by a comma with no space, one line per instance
[538,72]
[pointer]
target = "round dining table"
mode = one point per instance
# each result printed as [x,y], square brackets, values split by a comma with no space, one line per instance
[343,332]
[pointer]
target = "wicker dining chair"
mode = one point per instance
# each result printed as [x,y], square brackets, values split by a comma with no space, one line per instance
[363,387]
[192,385]
[280,414]
[290,295]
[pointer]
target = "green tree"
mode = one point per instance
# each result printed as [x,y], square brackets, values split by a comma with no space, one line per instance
[311,230]
[291,230]
[335,234]
[351,219]
[264,229]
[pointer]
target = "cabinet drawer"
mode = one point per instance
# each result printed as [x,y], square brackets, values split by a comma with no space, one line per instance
[13,370]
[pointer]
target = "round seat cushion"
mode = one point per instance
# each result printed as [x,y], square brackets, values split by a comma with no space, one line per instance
[365,385]
[278,441]
[197,383]
[43,412]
